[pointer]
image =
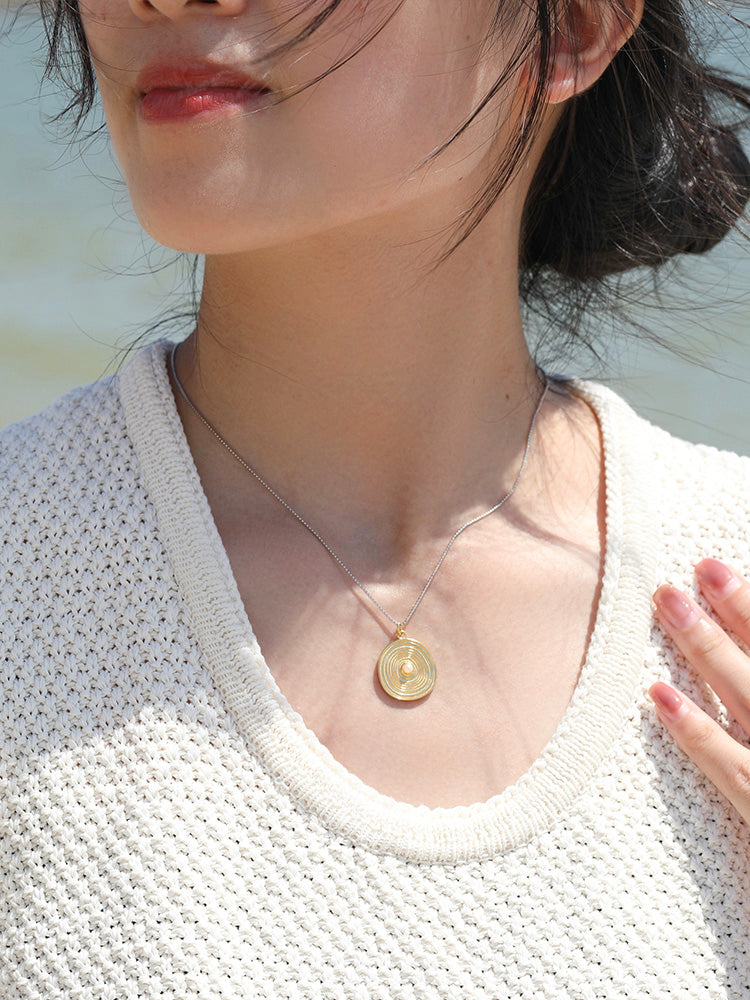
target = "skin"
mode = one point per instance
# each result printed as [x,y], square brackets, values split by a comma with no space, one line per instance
[386,402]
[723,664]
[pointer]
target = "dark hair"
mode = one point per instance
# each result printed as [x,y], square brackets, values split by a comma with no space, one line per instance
[644,165]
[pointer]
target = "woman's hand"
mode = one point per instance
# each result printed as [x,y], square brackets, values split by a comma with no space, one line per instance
[723,665]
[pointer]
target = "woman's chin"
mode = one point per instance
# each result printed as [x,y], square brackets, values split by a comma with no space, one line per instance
[197,217]
[202,227]
[192,231]
[182,242]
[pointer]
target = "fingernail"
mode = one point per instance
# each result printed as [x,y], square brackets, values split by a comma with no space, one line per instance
[668,701]
[716,579]
[677,609]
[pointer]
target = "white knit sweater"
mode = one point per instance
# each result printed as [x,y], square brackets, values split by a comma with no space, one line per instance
[170,827]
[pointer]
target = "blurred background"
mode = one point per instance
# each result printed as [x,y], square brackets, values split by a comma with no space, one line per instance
[79,281]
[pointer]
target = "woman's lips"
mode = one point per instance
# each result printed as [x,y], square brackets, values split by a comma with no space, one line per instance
[163,104]
[193,89]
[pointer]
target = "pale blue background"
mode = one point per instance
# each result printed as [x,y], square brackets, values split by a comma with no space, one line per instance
[76,283]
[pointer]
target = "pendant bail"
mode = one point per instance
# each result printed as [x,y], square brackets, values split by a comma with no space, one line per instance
[400,632]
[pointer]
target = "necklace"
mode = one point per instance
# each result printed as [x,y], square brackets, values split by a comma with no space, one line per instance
[406,670]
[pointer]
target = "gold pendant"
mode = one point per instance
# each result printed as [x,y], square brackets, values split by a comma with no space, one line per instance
[406,670]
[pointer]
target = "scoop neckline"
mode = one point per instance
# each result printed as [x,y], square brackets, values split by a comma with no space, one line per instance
[292,754]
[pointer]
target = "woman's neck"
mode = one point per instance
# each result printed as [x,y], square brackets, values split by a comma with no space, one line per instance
[363,388]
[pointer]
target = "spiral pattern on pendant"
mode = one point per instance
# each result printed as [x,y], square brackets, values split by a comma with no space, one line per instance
[406,670]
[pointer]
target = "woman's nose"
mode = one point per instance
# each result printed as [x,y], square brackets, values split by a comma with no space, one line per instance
[150,10]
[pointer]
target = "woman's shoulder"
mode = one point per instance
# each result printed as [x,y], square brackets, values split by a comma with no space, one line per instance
[697,495]
[55,435]
[87,598]
[637,435]
[80,438]
[64,462]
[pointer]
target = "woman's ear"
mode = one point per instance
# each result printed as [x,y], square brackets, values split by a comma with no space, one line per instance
[588,36]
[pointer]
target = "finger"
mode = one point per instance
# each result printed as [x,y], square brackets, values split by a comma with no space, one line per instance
[709,649]
[723,760]
[728,594]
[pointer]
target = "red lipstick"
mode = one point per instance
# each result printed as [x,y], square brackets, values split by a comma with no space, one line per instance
[196,90]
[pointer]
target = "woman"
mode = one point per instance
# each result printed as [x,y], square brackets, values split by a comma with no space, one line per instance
[443,775]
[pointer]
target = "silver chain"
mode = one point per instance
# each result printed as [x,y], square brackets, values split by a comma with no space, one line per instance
[399,624]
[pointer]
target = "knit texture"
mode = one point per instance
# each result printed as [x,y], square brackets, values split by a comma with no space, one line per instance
[169,827]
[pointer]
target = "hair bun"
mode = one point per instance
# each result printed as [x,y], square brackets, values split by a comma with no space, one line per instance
[716,196]
[639,169]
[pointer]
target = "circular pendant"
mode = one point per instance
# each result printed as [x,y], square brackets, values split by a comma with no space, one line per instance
[406,670]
